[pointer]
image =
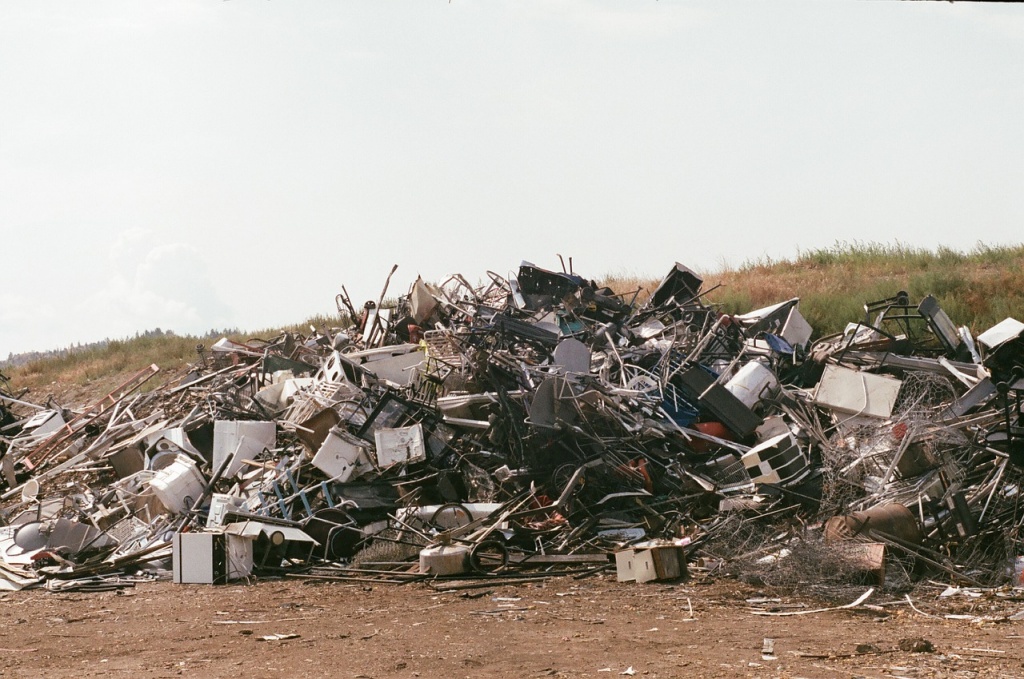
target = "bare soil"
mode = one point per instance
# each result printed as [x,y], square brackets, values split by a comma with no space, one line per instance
[556,628]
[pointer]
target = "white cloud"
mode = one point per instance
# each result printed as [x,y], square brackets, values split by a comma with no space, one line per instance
[165,285]
[21,321]
[150,285]
[129,246]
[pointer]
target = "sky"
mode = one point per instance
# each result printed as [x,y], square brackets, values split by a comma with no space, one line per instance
[199,164]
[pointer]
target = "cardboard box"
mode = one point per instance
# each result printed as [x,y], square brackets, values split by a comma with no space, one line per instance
[644,564]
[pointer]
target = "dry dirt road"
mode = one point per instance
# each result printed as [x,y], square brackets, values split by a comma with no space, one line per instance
[558,628]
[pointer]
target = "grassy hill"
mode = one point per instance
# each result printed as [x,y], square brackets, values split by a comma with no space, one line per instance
[84,374]
[977,288]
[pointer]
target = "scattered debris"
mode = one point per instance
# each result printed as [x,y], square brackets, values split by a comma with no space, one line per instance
[277,637]
[533,426]
[916,646]
[853,604]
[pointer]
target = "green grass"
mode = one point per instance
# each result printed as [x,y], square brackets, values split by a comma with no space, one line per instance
[320,323]
[106,366]
[977,288]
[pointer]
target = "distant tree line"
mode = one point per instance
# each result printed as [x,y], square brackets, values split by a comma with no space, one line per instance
[15,360]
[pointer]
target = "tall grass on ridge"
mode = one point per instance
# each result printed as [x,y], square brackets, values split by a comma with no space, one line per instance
[977,288]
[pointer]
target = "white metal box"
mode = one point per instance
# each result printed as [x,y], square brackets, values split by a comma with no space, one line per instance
[856,392]
[242,439]
[403,444]
[220,505]
[179,485]
[341,456]
[210,558]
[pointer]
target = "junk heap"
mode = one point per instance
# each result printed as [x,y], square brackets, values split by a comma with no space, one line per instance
[533,426]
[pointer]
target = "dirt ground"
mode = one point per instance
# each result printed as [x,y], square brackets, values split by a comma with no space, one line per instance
[556,628]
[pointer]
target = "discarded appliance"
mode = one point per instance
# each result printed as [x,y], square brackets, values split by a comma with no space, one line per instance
[211,558]
[644,562]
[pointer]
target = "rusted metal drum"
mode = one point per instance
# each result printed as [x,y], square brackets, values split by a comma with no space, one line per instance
[884,521]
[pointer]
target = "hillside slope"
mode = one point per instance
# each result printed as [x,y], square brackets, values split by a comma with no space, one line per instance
[977,288]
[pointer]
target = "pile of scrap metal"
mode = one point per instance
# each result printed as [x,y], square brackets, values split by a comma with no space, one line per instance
[530,426]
